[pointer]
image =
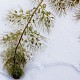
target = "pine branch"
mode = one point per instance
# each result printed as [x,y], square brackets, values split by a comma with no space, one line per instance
[32,20]
[26,28]
[27,25]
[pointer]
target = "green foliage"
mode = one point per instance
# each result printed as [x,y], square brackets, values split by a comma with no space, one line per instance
[59,6]
[62,6]
[17,17]
[11,38]
[14,63]
[73,3]
[27,39]
[33,39]
[16,72]
[21,43]
[45,19]
[41,16]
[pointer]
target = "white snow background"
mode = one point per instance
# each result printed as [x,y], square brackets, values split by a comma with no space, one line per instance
[61,59]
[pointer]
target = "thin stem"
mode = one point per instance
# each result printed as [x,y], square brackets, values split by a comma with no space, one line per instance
[26,27]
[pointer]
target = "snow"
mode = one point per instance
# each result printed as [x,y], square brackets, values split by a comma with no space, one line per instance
[61,59]
[54,73]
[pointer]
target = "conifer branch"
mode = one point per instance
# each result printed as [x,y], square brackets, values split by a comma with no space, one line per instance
[26,27]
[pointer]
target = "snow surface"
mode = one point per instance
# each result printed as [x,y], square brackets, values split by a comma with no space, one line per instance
[60,60]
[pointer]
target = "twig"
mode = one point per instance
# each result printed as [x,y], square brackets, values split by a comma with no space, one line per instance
[26,28]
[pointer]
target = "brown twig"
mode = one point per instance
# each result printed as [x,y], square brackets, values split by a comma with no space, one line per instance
[26,27]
